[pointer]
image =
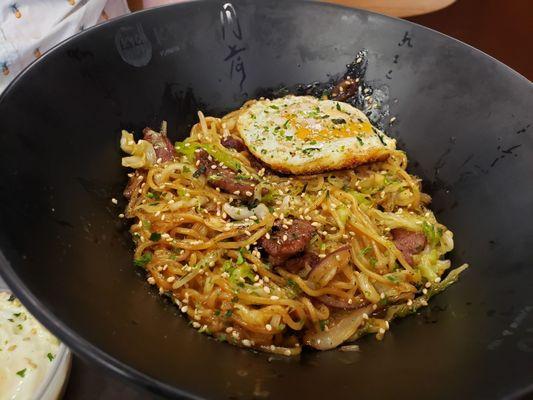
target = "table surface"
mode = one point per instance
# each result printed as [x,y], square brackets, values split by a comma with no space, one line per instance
[499,28]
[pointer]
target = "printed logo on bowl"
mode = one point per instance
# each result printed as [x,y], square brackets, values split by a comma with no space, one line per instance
[133,45]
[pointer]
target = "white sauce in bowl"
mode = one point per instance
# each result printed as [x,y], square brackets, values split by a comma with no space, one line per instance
[27,350]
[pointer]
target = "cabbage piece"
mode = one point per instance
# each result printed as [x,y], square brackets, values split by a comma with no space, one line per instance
[188,149]
[142,153]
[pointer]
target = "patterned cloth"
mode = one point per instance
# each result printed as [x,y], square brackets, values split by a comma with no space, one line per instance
[28,28]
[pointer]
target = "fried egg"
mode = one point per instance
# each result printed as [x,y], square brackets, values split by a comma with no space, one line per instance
[305,135]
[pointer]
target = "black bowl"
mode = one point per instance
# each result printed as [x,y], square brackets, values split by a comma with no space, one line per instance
[463,118]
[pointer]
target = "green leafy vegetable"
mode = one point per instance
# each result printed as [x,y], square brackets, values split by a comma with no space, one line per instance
[155,236]
[323,323]
[21,373]
[365,250]
[50,356]
[143,260]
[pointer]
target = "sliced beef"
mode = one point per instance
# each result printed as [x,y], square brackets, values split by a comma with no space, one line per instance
[408,242]
[344,89]
[299,262]
[134,183]
[284,243]
[225,179]
[233,142]
[164,149]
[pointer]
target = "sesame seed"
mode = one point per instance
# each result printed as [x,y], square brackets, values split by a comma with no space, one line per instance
[285,237]
[425,291]
[437,279]
[268,327]
[114,201]
[171,279]
[121,215]
[392,120]
[365,316]
[322,255]
[229,329]
[266,289]
[381,330]
[274,297]
[287,352]
[237,192]
[248,193]
[196,325]
[246,343]
[428,285]
[151,280]
[184,309]
[409,302]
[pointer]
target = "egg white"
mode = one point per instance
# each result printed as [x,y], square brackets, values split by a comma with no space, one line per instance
[305,135]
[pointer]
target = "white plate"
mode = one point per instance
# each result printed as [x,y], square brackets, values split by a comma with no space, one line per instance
[52,387]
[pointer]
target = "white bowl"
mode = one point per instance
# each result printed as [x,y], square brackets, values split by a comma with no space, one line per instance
[55,381]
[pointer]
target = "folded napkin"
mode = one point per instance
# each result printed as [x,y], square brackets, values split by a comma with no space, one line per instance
[28,28]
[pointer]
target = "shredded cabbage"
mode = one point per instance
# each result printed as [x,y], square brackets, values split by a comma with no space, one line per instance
[142,153]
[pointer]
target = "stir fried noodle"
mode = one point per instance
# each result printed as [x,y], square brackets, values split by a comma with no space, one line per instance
[276,262]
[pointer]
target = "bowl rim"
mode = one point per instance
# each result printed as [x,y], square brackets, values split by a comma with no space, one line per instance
[91,352]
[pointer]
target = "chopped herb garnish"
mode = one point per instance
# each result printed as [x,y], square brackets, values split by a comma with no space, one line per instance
[143,260]
[323,323]
[381,139]
[21,373]
[308,150]
[17,314]
[240,258]
[155,236]
[201,169]
[338,121]
[286,124]
[152,195]
[50,356]
[338,107]
[11,298]
[275,107]
[373,261]
[359,140]
[365,250]
[228,313]
[222,337]
[217,312]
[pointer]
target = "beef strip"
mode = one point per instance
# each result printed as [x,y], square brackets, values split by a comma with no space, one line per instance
[299,262]
[224,178]
[164,150]
[408,242]
[284,243]
[233,142]
[345,89]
